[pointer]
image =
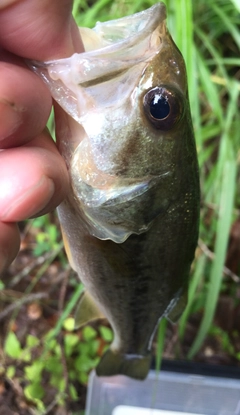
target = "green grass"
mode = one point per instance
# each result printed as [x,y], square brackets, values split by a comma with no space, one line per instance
[207,33]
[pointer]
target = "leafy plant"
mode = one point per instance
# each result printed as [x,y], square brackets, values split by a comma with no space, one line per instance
[80,350]
[47,236]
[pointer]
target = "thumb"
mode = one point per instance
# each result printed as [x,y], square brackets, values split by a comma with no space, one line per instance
[39,29]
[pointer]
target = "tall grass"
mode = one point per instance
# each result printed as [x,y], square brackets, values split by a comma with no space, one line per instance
[207,33]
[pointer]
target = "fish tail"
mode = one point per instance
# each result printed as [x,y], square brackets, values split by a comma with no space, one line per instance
[115,363]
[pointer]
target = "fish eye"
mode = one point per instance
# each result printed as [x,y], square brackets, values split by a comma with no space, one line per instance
[163,107]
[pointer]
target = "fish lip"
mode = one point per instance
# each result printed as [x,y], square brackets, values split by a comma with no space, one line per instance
[65,76]
[149,20]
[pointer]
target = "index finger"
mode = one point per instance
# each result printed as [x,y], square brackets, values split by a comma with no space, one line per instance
[39,29]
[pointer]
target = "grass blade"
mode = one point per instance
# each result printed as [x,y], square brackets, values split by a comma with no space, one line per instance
[160,343]
[210,89]
[70,305]
[222,232]
[236,3]
[194,284]
[227,23]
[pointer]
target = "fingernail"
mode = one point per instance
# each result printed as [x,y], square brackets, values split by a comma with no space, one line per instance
[10,119]
[29,202]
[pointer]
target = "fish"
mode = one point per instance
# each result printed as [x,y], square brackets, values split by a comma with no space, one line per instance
[130,219]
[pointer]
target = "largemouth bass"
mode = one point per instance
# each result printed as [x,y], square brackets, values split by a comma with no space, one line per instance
[130,220]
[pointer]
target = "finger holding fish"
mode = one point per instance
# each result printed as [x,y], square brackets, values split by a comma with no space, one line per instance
[29,30]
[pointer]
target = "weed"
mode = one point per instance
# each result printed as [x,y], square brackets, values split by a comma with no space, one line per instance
[79,352]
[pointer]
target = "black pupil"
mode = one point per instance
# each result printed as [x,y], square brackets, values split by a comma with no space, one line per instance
[159,107]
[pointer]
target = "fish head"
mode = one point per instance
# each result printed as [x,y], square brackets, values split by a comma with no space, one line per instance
[129,122]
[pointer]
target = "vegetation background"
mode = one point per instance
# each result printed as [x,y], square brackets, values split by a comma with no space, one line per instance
[44,364]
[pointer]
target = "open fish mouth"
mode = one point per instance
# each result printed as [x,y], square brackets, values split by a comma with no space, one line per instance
[122,44]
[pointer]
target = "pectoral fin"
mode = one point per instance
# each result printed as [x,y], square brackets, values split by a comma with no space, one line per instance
[67,249]
[179,307]
[87,310]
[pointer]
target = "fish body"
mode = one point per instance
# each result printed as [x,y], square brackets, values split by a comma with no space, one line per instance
[130,220]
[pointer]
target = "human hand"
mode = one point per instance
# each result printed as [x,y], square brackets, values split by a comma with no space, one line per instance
[33,175]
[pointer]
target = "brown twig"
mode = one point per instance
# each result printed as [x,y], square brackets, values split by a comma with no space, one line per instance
[44,267]
[211,256]
[51,406]
[215,207]
[28,269]
[44,261]
[25,300]
[10,295]
[63,290]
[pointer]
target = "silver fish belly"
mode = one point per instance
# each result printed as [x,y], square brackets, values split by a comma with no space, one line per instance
[130,221]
